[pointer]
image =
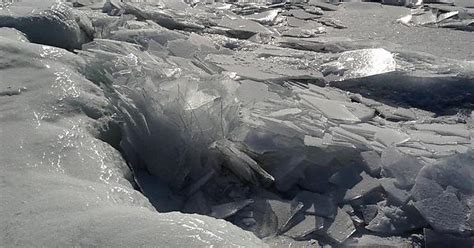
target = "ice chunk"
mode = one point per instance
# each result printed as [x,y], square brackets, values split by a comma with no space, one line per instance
[308,225]
[171,18]
[242,28]
[395,194]
[314,203]
[395,220]
[301,14]
[342,227]
[144,36]
[456,171]
[400,166]
[369,212]
[361,189]
[46,22]
[269,217]
[346,177]
[425,188]
[285,112]
[303,33]
[314,141]
[323,5]
[252,73]
[265,17]
[334,44]
[439,240]
[368,240]
[444,212]
[372,162]
[251,92]
[288,170]
[390,137]
[316,178]
[331,109]
[240,163]
[284,211]
[340,134]
[228,209]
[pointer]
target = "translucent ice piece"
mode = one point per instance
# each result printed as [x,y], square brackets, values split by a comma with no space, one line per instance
[400,166]
[331,109]
[342,227]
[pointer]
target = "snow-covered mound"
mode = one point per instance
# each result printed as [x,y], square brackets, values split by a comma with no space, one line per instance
[50,22]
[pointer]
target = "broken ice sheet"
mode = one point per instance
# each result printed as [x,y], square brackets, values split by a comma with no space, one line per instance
[265,17]
[268,217]
[368,240]
[395,220]
[425,188]
[361,189]
[242,28]
[372,162]
[302,33]
[369,212]
[309,224]
[241,164]
[435,239]
[455,171]
[317,204]
[445,213]
[301,14]
[342,227]
[251,92]
[331,109]
[395,195]
[400,166]
[228,209]
[361,63]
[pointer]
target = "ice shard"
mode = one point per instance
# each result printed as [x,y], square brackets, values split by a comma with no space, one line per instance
[342,227]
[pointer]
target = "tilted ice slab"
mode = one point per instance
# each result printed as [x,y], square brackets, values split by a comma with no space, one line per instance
[60,184]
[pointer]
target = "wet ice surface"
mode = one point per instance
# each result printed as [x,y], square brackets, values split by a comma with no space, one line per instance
[248,113]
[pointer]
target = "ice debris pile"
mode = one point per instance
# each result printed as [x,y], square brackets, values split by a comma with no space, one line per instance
[243,111]
[455,17]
